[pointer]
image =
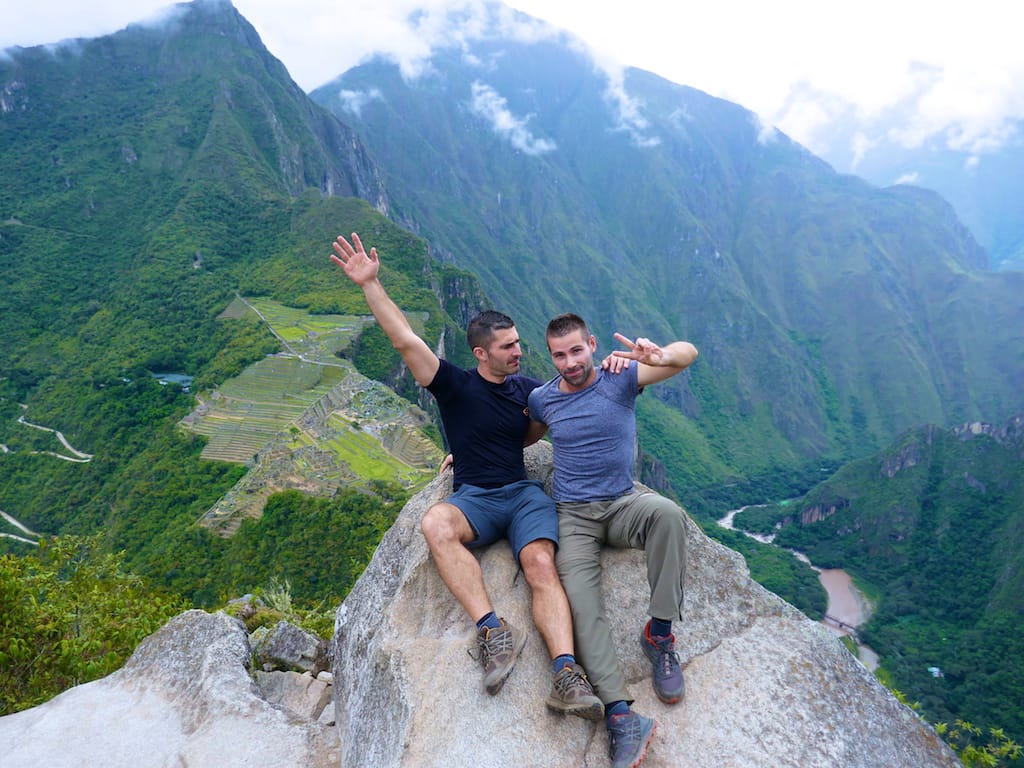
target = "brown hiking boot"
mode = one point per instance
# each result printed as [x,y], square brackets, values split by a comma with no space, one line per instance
[573,695]
[499,649]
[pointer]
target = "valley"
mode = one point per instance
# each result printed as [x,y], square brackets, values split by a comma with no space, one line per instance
[848,608]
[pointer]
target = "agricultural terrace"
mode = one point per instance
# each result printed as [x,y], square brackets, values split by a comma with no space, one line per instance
[366,455]
[315,338]
[248,411]
[317,399]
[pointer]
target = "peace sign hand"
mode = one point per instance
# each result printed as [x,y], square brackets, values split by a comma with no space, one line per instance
[642,350]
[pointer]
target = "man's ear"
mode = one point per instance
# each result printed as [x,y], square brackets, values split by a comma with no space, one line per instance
[593,343]
[480,354]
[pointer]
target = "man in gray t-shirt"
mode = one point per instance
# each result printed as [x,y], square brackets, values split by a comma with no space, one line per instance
[591,418]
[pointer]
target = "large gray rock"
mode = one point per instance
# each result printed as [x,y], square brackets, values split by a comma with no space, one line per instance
[766,686]
[286,647]
[185,698]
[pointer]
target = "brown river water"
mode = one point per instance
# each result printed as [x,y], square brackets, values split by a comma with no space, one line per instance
[847,605]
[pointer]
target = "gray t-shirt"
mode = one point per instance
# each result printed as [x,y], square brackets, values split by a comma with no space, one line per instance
[593,433]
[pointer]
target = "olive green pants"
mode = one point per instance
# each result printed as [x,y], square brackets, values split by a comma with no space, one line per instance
[638,521]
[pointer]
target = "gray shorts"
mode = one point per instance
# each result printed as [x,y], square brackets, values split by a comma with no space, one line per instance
[520,512]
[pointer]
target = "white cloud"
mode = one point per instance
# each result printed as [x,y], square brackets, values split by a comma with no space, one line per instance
[908,178]
[354,101]
[861,145]
[937,70]
[766,133]
[627,110]
[492,106]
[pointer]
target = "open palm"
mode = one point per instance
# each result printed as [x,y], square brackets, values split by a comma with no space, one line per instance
[360,266]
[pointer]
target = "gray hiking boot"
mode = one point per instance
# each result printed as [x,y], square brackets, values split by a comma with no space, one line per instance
[573,695]
[499,649]
[666,674]
[628,737]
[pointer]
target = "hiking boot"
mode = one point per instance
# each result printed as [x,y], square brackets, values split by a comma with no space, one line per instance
[499,649]
[667,677]
[573,695]
[628,737]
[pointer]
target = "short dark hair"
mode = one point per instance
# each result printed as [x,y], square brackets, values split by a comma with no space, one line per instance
[566,324]
[482,327]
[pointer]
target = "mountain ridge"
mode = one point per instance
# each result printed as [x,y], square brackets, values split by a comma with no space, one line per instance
[695,222]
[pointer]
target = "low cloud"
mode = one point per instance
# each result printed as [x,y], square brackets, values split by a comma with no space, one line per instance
[766,132]
[493,107]
[354,101]
[861,145]
[408,32]
[627,110]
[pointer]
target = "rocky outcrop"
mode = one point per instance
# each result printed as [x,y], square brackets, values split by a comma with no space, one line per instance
[1009,435]
[766,686]
[185,698]
[818,512]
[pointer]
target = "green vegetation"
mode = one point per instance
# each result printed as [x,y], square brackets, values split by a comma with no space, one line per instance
[124,248]
[70,614]
[933,528]
[320,546]
[978,749]
[273,603]
[764,518]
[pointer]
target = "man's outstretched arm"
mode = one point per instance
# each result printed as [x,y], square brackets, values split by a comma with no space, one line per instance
[362,269]
[656,363]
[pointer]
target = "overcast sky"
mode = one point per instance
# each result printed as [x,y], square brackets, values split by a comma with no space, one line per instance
[904,71]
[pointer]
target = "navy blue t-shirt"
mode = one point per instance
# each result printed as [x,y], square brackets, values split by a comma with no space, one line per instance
[485,424]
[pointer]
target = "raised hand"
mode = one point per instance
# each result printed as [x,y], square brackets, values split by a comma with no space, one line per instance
[642,350]
[360,267]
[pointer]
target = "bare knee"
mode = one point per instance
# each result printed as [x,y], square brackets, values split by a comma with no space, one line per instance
[538,562]
[443,524]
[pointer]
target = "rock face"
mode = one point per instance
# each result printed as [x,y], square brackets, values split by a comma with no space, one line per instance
[765,686]
[185,698]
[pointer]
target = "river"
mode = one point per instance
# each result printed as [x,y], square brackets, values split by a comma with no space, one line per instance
[848,608]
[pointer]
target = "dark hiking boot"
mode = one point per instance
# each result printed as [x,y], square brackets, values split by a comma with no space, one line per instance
[667,676]
[572,694]
[499,649]
[628,737]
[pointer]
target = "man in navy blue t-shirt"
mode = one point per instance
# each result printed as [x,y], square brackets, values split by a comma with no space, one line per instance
[484,413]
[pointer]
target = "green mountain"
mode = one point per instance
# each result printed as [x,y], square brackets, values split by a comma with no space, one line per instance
[831,315]
[933,526]
[150,178]
[984,187]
